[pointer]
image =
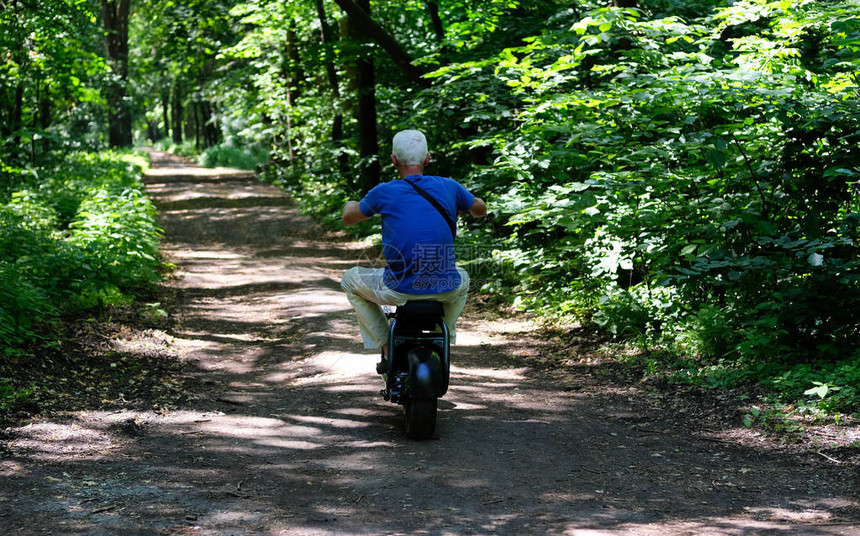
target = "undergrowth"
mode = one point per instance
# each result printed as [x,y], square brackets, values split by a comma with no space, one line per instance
[77,237]
[248,156]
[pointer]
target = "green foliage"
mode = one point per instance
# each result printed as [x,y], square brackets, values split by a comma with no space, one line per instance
[26,310]
[643,159]
[115,230]
[822,391]
[821,387]
[186,148]
[84,237]
[225,155]
[9,395]
[778,419]
[829,387]
[51,79]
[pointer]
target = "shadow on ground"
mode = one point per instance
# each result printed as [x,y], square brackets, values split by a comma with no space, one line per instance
[282,431]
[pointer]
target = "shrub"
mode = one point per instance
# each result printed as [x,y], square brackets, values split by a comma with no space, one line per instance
[245,157]
[83,237]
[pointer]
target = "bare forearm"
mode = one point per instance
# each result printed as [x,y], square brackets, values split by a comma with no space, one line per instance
[479,208]
[352,213]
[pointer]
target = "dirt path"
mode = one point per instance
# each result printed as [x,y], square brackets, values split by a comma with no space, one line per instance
[281,430]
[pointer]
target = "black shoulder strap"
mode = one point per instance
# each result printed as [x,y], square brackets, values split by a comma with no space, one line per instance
[437,206]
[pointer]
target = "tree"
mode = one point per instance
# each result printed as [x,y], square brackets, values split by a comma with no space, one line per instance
[175,64]
[50,79]
[116,19]
[365,89]
[328,41]
[362,20]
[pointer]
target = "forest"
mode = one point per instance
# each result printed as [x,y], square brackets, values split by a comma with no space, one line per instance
[680,177]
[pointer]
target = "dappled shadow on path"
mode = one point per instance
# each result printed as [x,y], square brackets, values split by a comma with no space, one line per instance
[285,434]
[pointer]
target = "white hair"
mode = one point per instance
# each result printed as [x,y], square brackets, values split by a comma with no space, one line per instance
[409,147]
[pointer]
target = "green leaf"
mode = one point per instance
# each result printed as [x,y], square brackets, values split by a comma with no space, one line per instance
[821,390]
[717,158]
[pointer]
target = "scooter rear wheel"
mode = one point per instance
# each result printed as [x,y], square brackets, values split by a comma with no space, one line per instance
[420,418]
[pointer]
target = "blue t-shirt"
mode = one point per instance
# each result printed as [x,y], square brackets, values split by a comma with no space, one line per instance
[416,239]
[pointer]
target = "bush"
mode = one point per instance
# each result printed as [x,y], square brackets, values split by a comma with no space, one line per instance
[245,157]
[9,395]
[83,237]
[828,387]
[186,148]
[27,311]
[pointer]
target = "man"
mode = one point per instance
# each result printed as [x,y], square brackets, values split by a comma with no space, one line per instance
[417,241]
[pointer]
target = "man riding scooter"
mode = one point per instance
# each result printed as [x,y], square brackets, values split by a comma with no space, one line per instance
[419,214]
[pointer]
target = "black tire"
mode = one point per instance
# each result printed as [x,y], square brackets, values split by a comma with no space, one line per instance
[420,418]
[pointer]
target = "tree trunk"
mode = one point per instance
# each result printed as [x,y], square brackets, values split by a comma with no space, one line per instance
[45,116]
[214,127]
[292,68]
[433,9]
[210,130]
[327,38]
[45,108]
[368,144]
[331,74]
[35,122]
[196,106]
[165,105]
[367,132]
[176,100]
[292,75]
[5,113]
[189,123]
[17,119]
[14,111]
[116,13]
[152,132]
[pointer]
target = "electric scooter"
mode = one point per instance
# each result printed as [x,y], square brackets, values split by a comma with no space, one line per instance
[418,367]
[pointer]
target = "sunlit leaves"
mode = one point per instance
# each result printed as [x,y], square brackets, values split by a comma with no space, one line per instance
[84,238]
[679,146]
[46,47]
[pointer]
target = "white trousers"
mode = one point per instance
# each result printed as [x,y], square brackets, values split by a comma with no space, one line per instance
[367,293]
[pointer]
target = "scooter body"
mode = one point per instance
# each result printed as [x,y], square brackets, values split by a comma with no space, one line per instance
[418,366]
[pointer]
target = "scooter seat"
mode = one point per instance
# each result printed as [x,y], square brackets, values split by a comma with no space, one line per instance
[420,313]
